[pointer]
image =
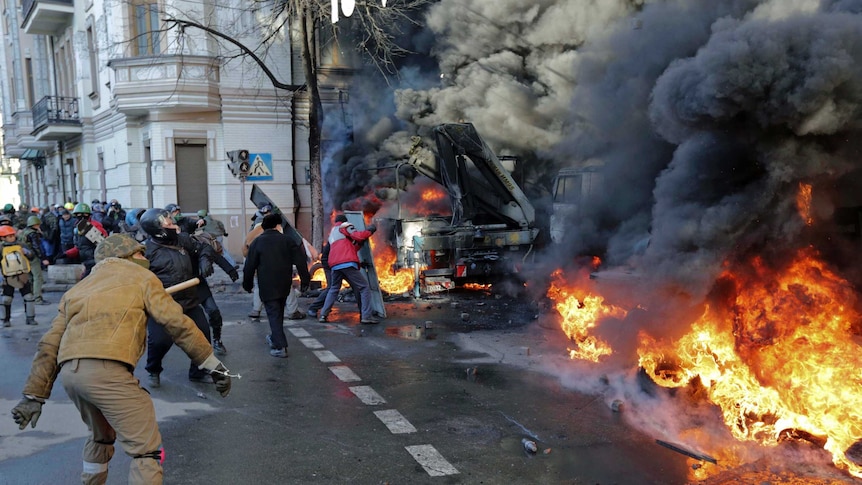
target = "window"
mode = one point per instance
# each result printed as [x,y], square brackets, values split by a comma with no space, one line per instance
[568,189]
[94,62]
[145,28]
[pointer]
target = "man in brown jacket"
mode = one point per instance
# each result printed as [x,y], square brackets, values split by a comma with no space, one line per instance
[95,348]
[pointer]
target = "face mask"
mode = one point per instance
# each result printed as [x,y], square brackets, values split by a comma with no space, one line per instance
[145,263]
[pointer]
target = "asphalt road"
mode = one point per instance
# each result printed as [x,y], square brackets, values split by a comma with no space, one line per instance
[444,391]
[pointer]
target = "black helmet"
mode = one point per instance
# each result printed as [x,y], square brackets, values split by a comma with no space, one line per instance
[153,223]
[172,207]
[265,208]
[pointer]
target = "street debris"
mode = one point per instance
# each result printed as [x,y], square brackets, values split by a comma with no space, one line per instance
[529,445]
[693,454]
[617,406]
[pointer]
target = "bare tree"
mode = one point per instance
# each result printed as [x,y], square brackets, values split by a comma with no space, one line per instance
[373,26]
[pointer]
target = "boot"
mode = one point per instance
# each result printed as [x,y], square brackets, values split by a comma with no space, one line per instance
[7,317]
[30,310]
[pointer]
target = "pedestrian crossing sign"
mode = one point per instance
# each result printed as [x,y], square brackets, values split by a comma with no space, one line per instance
[261,166]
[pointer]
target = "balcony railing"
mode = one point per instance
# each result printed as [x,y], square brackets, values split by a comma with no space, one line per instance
[55,110]
[56,118]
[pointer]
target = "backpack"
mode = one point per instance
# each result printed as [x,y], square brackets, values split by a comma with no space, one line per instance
[208,239]
[15,266]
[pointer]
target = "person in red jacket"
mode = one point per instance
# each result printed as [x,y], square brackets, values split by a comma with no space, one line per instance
[344,244]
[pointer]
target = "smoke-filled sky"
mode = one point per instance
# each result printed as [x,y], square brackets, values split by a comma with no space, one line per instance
[707,115]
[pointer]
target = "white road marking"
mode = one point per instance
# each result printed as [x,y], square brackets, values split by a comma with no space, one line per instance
[326,356]
[367,395]
[431,460]
[393,420]
[344,373]
[299,332]
[311,343]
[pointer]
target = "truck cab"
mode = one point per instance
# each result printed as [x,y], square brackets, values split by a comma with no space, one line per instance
[572,190]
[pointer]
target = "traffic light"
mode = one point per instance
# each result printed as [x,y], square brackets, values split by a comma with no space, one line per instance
[239,164]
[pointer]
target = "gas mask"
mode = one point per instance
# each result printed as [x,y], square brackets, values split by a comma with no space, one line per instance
[145,263]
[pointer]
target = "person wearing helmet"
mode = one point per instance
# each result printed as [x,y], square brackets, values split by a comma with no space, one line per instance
[216,229]
[9,209]
[86,246]
[32,240]
[21,280]
[93,348]
[205,295]
[175,211]
[174,258]
[116,213]
[69,206]
[19,217]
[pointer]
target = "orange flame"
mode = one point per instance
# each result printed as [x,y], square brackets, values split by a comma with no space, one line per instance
[803,203]
[581,312]
[778,357]
[391,280]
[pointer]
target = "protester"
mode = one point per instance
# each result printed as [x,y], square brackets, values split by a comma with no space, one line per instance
[15,266]
[271,256]
[344,244]
[32,240]
[95,347]
[66,226]
[204,293]
[85,243]
[170,254]
[216,228]
[318,302]
[292,306]
[50,233]
[116,214]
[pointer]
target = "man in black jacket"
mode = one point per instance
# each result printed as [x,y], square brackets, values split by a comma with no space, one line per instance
[272,255]
[171,257]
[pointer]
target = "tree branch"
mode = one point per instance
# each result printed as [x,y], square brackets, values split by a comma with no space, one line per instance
[275,82]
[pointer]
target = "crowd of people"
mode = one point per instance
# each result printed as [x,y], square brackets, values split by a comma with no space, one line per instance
[154,267]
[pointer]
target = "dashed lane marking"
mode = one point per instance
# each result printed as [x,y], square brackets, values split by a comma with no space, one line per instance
[311,343]
[344,373]
[393,420]
[299,332]
[326,356]
[367,395]
[431,460]
[426,455]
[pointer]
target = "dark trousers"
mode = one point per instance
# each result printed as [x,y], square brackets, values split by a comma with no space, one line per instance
[159,341]
[275,315]
[318,302]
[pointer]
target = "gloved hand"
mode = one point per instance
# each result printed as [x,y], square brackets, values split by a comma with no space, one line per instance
[225,234]
[221,380]
[248,289]
[372,228]
[303,288]
[206,267]
[234,275]
[27,411]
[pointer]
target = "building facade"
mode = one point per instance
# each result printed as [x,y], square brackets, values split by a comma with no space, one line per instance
[108,100]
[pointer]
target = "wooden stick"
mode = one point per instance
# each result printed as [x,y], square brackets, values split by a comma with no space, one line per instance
[182,286]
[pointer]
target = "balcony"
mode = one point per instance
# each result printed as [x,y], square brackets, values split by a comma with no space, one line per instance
[166,82]
[47,17]
[56,118]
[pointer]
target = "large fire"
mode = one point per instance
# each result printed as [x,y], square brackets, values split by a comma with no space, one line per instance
[391,280]
[776,353]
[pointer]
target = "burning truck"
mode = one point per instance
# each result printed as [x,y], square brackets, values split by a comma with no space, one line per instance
[491,228]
